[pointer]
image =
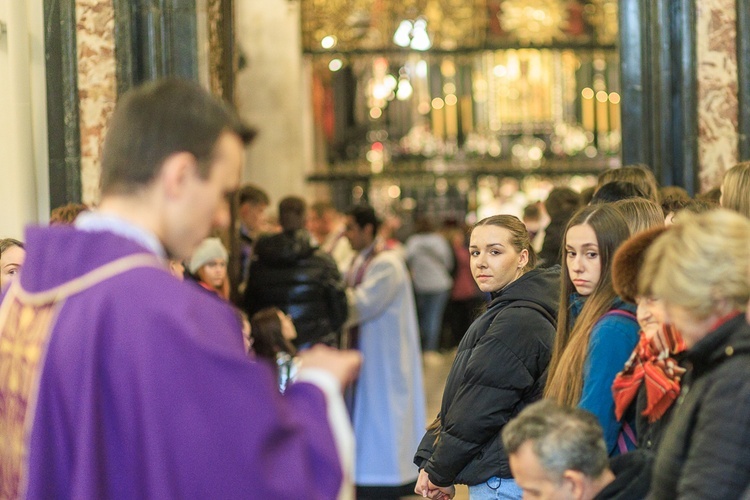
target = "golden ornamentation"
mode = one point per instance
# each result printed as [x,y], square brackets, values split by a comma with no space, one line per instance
[534,21]
[23,337]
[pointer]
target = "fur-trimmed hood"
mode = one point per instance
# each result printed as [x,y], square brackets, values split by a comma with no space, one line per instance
[628,261]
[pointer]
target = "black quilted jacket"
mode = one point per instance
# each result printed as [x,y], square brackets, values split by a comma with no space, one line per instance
[500,367]
[301,280]
[705,452]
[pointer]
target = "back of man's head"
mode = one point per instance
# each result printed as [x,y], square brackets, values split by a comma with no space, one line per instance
[562,438]
[156,120]
[561,204]
[616,191]
[364,215]
[292,213]
[250,193]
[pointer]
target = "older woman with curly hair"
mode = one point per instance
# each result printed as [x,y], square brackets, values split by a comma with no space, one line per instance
[699,269]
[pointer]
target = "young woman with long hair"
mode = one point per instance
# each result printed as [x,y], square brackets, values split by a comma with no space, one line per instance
[500,366]
[596,330]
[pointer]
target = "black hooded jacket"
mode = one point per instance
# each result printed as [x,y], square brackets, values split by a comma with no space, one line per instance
[500,368]
[289,273]
[705,452]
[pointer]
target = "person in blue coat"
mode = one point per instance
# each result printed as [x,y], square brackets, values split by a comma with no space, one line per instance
[596,330]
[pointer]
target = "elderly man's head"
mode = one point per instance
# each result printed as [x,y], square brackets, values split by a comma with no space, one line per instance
[557,452]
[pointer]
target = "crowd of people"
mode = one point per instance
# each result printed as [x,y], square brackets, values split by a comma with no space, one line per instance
[602,341]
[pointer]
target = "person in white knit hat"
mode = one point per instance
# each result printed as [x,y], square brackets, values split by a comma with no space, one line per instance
[209,266]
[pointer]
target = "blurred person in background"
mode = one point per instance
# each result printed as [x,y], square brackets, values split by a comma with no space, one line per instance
[326,225]
[252,203]
[387,404]
[271,334]
[67,214]
[290,273]
[640,175]
[561,204]
[467,300]
[208,265]
[12,256]
[430,260]
[640,214]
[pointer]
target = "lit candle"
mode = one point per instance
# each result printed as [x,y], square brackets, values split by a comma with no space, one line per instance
[467,114]
[438,122]
[614,111]
[587,109]
[451,116]
[602,115]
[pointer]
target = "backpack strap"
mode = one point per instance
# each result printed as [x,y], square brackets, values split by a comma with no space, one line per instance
[626,431]
[622,313]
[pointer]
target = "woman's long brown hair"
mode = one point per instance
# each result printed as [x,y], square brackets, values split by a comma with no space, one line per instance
[565,380]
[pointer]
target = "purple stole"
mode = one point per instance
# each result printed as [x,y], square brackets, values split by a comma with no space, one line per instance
[354,278]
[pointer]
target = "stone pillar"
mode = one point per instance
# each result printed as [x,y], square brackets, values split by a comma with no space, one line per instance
[269,94]
[23,188]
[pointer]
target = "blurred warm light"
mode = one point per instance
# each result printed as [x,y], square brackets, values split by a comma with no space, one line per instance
[405,90]
[451,100]
[602,96]
[335,64]
[587,93]
[376,113]
[438,103]
[394,192]
[328,42]
[614,98]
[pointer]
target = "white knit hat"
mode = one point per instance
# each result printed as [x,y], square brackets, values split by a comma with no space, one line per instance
[209,249]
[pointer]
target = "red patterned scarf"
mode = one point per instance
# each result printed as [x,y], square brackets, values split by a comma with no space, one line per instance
[651,363]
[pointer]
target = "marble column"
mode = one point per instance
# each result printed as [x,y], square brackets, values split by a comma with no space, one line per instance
[717,105]
[97,86]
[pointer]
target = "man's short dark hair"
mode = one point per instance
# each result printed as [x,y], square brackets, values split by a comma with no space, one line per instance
[292,213]
[156,120]
[364,215]
[562,203]
[319,208]
[616,191]
[562,438]
[250,193]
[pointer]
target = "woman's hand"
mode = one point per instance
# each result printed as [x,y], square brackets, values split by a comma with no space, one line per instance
[426,489]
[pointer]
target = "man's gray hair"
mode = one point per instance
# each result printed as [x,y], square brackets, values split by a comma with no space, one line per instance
[562,438]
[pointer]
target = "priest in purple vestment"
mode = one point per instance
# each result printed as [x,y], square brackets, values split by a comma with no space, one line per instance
[117,380]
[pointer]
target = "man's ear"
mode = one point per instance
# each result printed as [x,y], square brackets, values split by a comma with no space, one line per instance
[176,170]
[573,482]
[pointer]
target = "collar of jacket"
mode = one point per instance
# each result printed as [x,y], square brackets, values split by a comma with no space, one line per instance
[729,339]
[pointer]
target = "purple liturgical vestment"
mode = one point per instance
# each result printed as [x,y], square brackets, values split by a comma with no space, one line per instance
[119,381]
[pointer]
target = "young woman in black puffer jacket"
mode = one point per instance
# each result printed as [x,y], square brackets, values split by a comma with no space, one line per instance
[500,366]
